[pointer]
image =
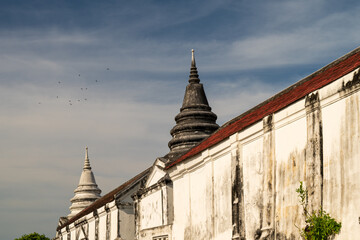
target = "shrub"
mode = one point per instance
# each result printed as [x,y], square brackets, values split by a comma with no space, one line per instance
[33,236]
[319,224]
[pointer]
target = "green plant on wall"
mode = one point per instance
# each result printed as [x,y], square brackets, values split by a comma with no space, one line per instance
[319,224]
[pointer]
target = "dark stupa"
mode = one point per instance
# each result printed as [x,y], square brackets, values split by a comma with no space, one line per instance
[195,121]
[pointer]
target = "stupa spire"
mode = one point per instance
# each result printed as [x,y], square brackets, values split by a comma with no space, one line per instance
[87,161]
[87,191]
[195,121]
[194,76]
[193,64]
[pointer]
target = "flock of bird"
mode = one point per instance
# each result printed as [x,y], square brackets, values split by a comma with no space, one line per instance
[70,102]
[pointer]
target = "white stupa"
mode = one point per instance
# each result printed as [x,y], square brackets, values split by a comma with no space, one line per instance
[87,191]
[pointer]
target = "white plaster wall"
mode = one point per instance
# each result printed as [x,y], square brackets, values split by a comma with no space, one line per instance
[164,201]
[151,210]
[222,198]
[202,200]
[200,224]
[181,206]
[290,148]
[252,171]
[341,163]
[72,232]
[91,222]
[113,222]
[64,236]
[102,226]
[151,233]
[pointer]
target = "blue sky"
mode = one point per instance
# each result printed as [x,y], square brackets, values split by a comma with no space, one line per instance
[246,51]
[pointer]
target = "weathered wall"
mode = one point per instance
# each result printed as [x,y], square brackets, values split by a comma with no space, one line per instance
[199,223]
[151,210]
[222,198]
[104,224]
[341,156]
[290,150]
[202,200]
[314,140]
[251,157]
[111,217]
[163,232]
[181,201]
[155,206]
[91,222]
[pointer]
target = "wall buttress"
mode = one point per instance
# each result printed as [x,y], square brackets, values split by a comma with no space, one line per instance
[269,184]
[137,216]
[108,225]
[238,211]
[96,225]
[118,222]
[314,152]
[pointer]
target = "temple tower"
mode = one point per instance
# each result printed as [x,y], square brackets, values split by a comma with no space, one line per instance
[86,192]
[195,121]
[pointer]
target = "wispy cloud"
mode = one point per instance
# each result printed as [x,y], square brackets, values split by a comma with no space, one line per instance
[241,49]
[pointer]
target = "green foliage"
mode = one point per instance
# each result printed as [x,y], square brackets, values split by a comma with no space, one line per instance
[33,236]
[319,224]
[303,195]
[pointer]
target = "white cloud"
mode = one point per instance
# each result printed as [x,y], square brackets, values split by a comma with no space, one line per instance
[134,104]
[239,96]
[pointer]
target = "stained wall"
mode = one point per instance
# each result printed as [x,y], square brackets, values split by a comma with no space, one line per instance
[315,140]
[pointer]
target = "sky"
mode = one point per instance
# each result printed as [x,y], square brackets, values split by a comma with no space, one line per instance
[111,75]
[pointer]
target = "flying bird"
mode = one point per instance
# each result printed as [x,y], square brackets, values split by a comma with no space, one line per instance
[108,69]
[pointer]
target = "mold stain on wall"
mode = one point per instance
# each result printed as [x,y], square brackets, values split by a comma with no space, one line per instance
[343,166]
[349,161]
[288,211]
[314,151]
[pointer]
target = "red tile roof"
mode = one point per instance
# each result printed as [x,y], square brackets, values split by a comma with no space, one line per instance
[105,199]
[322,77]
